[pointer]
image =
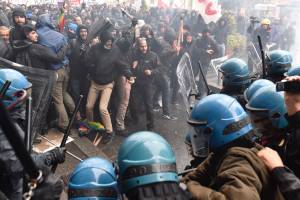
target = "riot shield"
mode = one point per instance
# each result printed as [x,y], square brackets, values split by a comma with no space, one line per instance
[255,59]
[97,27]
[42,83]
[213,76]
[186,80]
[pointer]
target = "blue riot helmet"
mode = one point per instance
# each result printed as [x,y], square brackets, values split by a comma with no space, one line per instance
[278,62]
[235,72]
[294,71]
[256,85]
[93,179]
[216,121]
[145,158]
[267,109]
[18,83]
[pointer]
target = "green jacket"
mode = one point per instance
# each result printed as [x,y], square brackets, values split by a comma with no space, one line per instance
[237,174]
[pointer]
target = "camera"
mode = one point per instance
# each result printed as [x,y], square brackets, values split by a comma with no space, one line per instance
[288,86]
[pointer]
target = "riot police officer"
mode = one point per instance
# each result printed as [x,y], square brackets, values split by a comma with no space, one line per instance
[222,131]
[11,175]
[255,86]
[278,63]
[236,78]
[94,178]
[147,168]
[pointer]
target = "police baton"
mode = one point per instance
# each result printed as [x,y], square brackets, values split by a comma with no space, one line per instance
[4,88]
[67,132]
[28,138]
[263,59]
[204,78]
[15,140]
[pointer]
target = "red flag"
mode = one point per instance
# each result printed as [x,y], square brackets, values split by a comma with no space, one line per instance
[162,4]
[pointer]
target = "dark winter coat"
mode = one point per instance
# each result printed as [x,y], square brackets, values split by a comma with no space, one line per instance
[5,50]
[11,170]
[78,68]
[198,52]
[288,183]
[238,174]
[221,32]
[38,56]
[292,152]
[105,65]
[148,61]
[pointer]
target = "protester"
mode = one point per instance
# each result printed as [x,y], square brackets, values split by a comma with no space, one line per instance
[288,183]
[6,49]
[104,64]
[146,66]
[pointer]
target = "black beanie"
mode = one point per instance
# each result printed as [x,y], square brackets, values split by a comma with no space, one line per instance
[18,12]
[105,36]
[27,28]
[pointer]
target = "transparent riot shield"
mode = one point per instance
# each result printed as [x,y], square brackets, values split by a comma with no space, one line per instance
[186,80]
[255,59]
[213,76]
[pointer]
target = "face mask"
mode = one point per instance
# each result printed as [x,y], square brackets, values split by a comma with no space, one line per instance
[200,140]
[262,122]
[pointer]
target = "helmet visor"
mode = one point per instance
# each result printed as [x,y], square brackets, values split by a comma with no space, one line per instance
[200,140]
[261,122]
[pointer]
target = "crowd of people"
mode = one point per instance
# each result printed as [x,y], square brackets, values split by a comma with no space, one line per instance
[244,141]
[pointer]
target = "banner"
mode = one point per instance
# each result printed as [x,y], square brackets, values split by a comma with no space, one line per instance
[74,3]
[34,2]
[210,10]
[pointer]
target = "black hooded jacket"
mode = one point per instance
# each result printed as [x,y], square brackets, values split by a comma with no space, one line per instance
[78,51]
[16,34]
[37,56]
[292,149]
[106,64]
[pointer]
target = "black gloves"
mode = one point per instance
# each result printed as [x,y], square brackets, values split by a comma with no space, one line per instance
[53,157]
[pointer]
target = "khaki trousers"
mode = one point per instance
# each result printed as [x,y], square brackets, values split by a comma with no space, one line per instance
[124,89]
[94,92]
[61,97]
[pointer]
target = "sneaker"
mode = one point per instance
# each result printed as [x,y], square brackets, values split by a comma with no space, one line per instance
[169,117]
[107,138]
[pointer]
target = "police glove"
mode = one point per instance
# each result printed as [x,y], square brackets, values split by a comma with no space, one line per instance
[55,156]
